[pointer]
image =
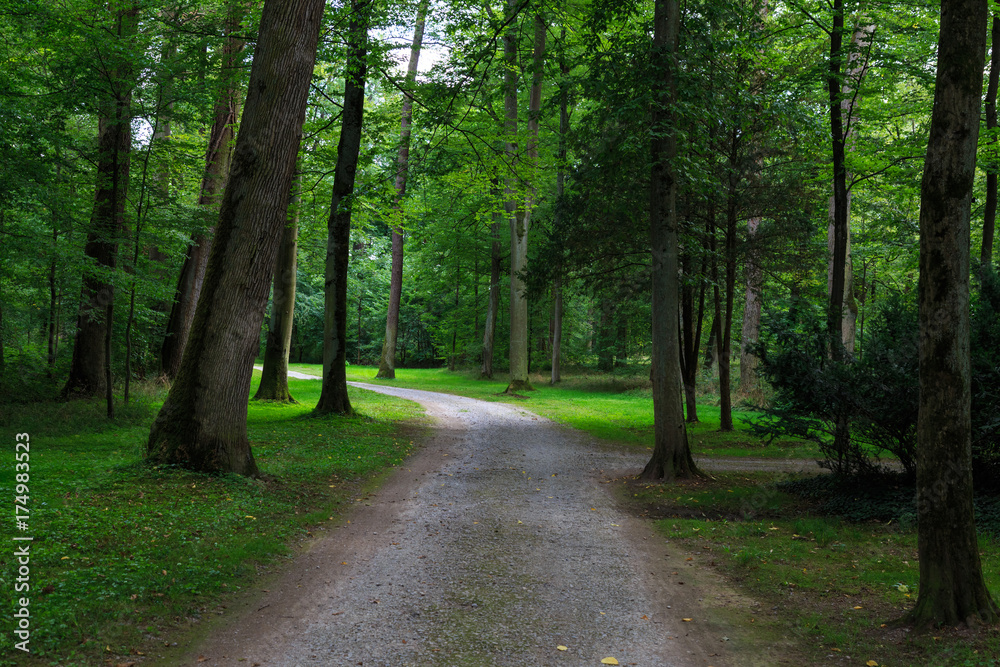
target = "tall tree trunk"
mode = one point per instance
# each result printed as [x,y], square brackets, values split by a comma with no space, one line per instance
[53,302]
[557,294]
[839,216]
[520,216]
[691,324]
[725,336]
[749,387]
[749,382]
[671,452]
[217,162]
[493,305]
[857,67]
[990,210]
[88,376]
[952,590]
[387,360]
[202,424]
[274,373]
[333,398]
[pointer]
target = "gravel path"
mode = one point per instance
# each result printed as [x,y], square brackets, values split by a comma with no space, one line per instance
[494,545]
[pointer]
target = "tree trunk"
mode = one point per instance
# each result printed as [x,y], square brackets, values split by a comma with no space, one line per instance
[750,333]
[493,305]
[53,302]
[333,398]
[387,360]
[88,375]
[557,316]
[217,161]
[990,210]
[520,217]
[725,336]
[202,424]
[952,590]
[557,294]
[671,452]
[274,373]
[691,335]
[839,204]
[857,67]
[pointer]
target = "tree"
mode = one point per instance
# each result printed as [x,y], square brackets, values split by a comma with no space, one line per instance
[202,424]
[990,208]
[274,371]
[90,371]
[952,589]
[518,212]
[217,163]
[671,452]
[387,360]
[333,397]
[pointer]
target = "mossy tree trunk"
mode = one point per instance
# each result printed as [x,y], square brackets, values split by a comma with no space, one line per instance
[333,398]
[202,424]
[671,452]
[952,590]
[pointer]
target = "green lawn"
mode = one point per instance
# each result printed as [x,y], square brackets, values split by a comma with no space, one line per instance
[614,409]
[125,553]
[835,587]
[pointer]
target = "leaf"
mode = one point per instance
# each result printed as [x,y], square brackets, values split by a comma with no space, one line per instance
[872,663]
[687,620]
[561,648]
[858,607]
[609,661]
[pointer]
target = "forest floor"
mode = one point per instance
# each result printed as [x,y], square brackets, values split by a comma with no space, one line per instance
[497,543]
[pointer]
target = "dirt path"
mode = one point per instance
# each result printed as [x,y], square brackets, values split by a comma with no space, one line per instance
[494,545]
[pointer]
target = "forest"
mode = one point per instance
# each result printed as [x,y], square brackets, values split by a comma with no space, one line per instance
[779,212]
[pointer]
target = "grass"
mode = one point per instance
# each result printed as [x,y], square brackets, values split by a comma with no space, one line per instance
[834,585]
[618,409]
[125,554]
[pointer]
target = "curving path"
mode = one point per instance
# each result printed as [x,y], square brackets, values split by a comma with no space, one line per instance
[495,544]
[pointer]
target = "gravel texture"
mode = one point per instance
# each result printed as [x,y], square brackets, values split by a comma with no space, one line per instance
[494,544]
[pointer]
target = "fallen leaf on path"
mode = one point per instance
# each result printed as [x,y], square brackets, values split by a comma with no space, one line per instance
[609,661]
[561,648]
[858,607]
[872,663]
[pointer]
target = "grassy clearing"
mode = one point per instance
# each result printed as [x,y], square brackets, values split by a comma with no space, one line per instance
[834,585]
[125,554]
[614,408]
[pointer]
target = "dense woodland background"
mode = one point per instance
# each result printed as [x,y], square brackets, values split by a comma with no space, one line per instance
[755,173]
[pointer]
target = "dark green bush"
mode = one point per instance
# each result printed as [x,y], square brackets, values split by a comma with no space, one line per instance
[877,392]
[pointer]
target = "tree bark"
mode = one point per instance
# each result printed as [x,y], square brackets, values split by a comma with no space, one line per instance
[520,216]
[952,590]
[671,452]
[217,161]
[333,398]
[493,305]
[990,209]
[88,375]
[202,424]
[750,333]
[387,360]
[839,205]
[725,336]
[857,67]
[274,372]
